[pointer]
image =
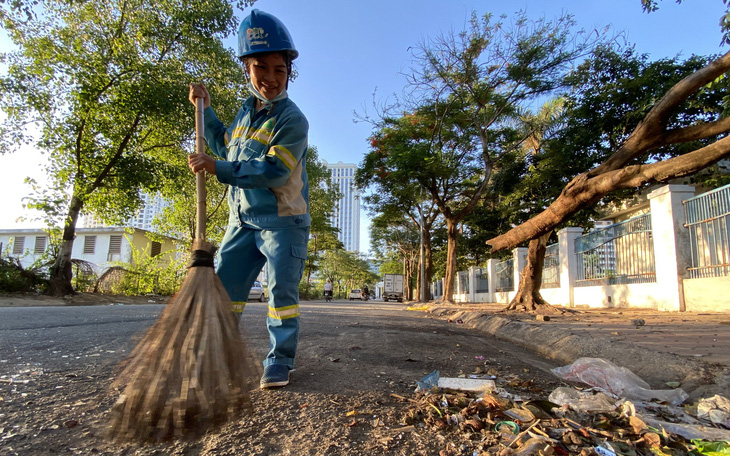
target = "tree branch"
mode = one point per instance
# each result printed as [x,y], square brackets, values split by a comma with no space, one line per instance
[651,132]
[583,190]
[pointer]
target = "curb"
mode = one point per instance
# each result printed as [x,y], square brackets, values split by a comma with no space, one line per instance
[698,378]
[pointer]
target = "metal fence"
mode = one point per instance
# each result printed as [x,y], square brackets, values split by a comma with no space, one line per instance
[505,275]
[617,254]
[551,267]
[462,283]
[708,223]
[437,288]
[482,280]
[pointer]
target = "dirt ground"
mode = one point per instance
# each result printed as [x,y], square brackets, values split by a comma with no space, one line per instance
[332,408]
[324,412]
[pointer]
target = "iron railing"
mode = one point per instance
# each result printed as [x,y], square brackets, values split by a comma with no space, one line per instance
[505,275]
[551,267]
[462,282]
[708,223]
[622,253]
[482,280]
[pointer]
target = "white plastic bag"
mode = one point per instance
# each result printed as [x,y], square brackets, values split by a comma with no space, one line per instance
[616,380]
[715,409]
[582,401]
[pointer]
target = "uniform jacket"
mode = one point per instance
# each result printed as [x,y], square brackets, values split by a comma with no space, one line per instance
[264,163]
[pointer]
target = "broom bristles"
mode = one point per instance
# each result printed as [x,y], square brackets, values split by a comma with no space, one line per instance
[189,371]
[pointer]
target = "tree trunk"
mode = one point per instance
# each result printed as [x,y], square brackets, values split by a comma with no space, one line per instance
[61,271]
[452,236]
[528,296]
[407,279]
[429,261]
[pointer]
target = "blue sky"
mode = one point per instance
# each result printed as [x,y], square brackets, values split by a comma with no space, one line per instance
[351,49]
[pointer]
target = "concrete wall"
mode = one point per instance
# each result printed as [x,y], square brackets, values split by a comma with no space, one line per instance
[707,295]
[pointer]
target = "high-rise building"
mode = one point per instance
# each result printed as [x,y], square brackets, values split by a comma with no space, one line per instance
[346,216]
[152,205]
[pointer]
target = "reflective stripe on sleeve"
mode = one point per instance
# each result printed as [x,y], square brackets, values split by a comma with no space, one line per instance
[283,154]
[282,313]
[237,306]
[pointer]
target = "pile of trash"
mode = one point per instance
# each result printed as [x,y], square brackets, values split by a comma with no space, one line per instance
[615,413]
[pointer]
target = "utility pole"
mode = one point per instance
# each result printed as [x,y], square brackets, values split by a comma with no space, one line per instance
[422,291]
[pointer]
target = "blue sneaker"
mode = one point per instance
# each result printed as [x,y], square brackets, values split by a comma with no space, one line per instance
[275,375]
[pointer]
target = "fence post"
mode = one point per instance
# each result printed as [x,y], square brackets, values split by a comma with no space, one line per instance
[492,279]
[472,284]
[568,262]
[671,243]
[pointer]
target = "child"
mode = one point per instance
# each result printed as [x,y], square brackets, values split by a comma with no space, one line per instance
[262,156]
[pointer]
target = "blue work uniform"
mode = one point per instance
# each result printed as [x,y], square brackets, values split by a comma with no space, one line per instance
[264,161]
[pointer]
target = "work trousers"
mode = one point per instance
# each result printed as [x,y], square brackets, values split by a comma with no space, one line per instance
[242,255]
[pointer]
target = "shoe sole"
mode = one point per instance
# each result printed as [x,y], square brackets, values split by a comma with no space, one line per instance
[274,384]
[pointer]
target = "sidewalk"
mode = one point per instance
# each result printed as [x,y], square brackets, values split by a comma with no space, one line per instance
[686,347]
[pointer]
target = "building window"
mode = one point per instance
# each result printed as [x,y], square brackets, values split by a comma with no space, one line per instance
[89,245]
[18,245]
[40,244]
[156,249]
[115,244]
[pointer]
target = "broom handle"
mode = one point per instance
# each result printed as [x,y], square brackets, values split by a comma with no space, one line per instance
[200,192]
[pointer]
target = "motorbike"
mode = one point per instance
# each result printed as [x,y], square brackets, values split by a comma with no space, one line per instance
[365,296]
[328,295]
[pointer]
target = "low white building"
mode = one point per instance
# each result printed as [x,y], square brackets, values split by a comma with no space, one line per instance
[102,247]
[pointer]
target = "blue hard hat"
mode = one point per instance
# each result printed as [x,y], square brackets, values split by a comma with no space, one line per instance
[263,32]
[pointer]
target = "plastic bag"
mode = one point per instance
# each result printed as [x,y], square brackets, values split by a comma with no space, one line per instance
[428,382]
[582,401]
[616,380]
[715,409]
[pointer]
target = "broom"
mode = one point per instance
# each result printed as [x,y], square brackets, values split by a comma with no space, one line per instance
[189,371]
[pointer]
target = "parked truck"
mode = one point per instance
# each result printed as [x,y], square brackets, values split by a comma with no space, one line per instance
[393,287]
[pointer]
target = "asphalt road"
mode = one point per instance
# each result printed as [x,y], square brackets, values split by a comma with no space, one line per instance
[344,345]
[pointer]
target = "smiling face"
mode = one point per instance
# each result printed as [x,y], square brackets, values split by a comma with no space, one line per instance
[268,73]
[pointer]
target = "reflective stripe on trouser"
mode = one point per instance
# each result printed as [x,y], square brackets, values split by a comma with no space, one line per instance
[242,254]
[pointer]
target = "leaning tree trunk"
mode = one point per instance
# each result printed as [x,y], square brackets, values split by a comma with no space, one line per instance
[449,276]
[528,296]
[61,272]
[615,173]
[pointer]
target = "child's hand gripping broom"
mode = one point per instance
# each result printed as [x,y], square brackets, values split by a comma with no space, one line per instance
[189,370]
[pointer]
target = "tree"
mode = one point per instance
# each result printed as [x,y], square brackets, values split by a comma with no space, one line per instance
[346,269]
[612,91]
[106,83]
[469,91]
[678,119]
[395,193]
[523,198]
[393,232]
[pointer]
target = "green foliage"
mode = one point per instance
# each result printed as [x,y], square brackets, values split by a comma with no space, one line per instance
[106,85]
[461,141]
[346,270]
[148,275]
[613,91]
[15,278]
